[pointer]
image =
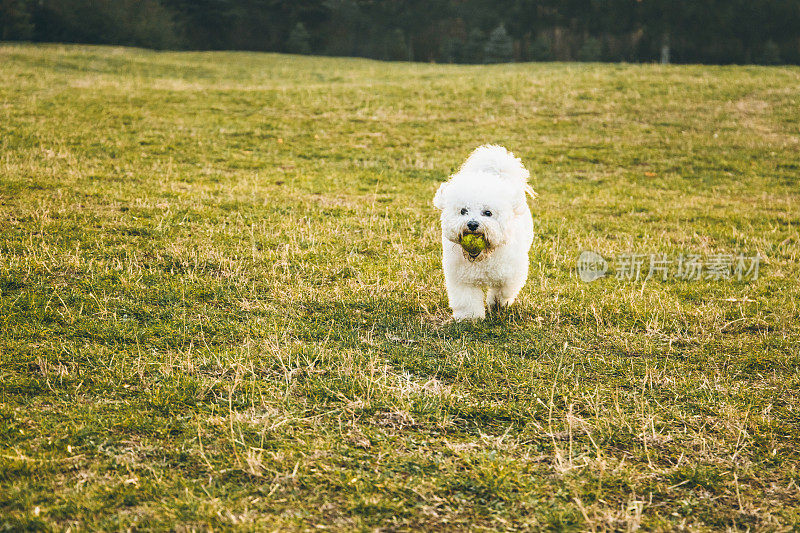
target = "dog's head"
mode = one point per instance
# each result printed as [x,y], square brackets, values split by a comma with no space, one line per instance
[475,204]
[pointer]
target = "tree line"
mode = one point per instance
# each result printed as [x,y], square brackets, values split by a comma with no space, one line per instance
[448,31]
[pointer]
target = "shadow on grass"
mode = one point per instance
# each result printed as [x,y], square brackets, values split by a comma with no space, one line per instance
[409,325]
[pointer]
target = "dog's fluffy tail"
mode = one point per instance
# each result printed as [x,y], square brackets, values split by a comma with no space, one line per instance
[496,160]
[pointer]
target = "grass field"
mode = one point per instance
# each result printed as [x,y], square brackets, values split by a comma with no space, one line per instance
[222,305]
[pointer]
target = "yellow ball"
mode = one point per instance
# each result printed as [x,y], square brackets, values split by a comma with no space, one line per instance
[473,244]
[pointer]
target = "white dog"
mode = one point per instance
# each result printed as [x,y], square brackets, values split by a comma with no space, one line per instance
[486,197]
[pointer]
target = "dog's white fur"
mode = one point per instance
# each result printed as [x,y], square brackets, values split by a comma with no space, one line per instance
[488,194]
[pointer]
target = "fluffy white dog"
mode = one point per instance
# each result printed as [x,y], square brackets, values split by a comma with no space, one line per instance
[485,199]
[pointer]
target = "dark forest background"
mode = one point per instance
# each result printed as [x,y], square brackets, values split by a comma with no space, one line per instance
[447,31]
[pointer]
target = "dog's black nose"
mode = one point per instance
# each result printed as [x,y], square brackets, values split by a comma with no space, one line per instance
[472,225]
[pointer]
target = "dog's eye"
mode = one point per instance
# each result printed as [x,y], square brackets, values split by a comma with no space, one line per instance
[464,211]
[487,213]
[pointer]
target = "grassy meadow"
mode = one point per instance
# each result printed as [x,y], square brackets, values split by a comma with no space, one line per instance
[222,304]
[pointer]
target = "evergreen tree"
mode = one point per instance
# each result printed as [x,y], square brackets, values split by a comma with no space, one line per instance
[127,22]
[299,41]
[770,54]
[499,48]
[451,50]
[541,49]
[15,20]
[590,50]
[207,23]
[716,31]
[473,48]
[343,33]
[396,47]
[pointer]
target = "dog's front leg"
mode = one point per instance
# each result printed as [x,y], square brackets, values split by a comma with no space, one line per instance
[500,297]
[466,301]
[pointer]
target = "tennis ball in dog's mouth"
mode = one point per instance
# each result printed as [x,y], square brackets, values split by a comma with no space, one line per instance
[473,244]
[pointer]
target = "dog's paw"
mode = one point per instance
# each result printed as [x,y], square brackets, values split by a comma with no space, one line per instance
[472,314]
[497,302]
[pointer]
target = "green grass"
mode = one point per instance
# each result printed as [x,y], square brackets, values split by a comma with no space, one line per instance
[222,305]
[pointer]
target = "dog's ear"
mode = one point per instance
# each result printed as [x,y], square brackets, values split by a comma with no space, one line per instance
[438,199]
[522,200]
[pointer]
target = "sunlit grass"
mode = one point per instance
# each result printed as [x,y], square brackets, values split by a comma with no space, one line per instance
[221,302]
